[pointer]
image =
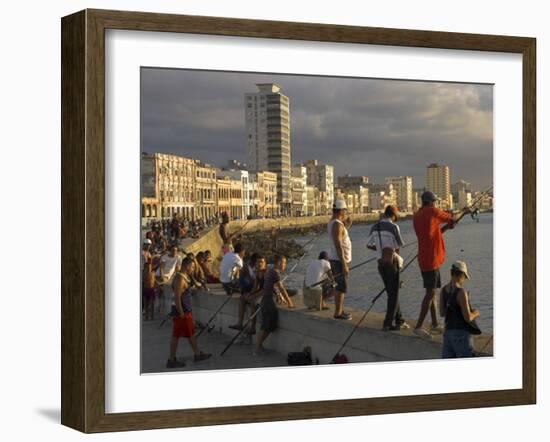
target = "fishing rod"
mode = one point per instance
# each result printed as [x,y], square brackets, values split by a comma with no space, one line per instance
[207,325]
[402,270]
[238,232]
[486,345]
[356,266]
[367,312]
[306,252]
[241,331]
[253,315]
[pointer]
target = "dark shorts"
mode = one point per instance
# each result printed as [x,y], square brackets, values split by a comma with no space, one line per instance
[183,327]
[270,319]
[339,277]
[432,279]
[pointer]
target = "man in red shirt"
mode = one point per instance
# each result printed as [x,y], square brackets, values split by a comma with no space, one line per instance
[431,255]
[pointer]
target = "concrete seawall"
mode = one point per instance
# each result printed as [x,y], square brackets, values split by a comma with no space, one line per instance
[299,327]
[211,240]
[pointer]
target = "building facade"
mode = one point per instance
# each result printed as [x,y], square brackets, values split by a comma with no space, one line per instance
[243,177]
[168,186]
[267,117]
[223,201]
[403,190]
[321,176]
[438,181]
[267,193]
[464,199]
[299,193]
[205,190]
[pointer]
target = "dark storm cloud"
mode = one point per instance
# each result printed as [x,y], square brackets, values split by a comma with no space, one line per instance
[362,126]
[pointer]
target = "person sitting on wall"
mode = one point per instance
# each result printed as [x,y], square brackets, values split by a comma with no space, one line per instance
[230,267]
[206,264]
[318,283]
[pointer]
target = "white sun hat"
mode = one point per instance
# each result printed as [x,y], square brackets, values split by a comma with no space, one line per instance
[339,204]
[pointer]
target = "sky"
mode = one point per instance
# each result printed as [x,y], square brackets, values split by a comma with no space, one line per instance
[370,127]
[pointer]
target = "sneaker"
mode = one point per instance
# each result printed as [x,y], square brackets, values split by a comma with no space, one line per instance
[404,326]
[201,356]
[391,328]
[174,363]
[436,329]
[421,333]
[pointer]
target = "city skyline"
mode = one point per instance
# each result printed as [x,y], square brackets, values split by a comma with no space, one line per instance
[382,127]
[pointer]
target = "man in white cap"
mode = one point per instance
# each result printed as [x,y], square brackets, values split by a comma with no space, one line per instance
[340,255]
[455,307]
[146,251]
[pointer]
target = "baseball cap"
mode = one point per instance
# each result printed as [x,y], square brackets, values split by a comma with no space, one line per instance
[429,196]
[339,204]
[461,267]
[147,241]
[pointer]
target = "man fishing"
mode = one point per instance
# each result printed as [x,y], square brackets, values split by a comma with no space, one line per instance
[340,255]
[429,224]
[385,238]
[227,239]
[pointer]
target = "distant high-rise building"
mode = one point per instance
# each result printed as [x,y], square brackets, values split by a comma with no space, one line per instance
[438,181]
[322,177]
[349,180]
[461,186]
[404,192]
[267,117]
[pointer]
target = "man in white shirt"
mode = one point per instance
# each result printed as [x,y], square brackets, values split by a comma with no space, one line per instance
[340,255]
[385,238]
[231,265]
[318,283]
[169,265]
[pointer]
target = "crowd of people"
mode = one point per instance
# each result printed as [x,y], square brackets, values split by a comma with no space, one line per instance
[169,278]
[164,232]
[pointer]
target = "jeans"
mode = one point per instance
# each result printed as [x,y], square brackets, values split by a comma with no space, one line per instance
[457,344]
[390,277]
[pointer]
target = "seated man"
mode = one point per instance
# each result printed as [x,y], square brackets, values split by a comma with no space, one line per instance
[318,283]
[206,264]
[230,267]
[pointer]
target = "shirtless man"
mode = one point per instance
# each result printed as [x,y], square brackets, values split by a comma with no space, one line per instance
[227,239]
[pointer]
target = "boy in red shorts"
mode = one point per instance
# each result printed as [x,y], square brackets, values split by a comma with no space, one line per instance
[182,317]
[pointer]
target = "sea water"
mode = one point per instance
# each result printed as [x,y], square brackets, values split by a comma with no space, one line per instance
[470,241]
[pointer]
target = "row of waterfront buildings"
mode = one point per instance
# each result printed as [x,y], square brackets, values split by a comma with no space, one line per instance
[269,185]
[175,185]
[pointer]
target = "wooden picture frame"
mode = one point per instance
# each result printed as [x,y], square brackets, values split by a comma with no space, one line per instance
[83,219]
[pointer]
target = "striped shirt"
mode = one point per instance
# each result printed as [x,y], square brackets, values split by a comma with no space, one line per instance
[385,234]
